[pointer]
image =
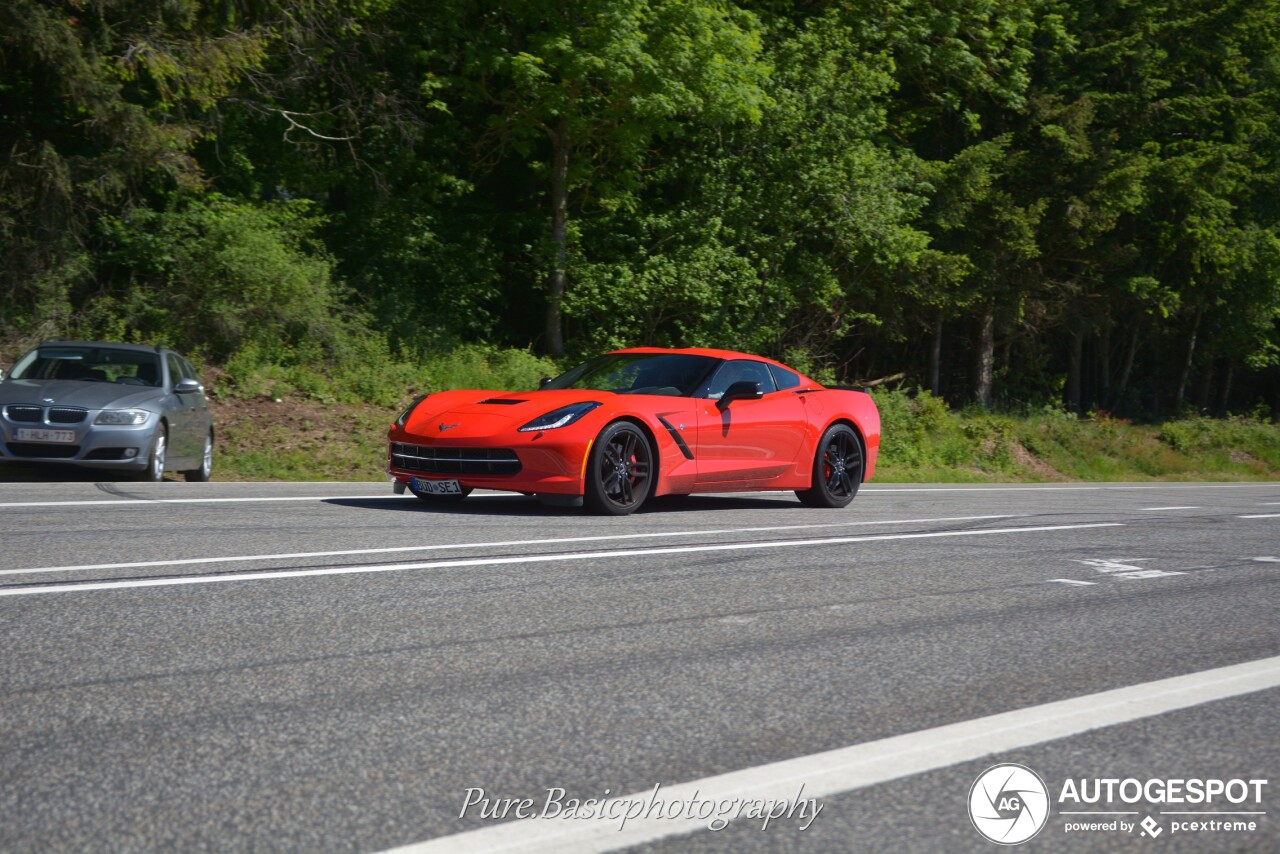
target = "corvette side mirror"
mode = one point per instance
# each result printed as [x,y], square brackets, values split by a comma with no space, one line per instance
[741,390]
[544,382]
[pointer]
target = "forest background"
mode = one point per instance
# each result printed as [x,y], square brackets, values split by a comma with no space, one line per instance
[1046,212]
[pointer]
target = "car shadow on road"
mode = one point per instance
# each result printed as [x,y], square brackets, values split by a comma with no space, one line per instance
[527,505]
[11,472]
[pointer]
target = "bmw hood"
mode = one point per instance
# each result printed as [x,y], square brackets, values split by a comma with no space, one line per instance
[88,395]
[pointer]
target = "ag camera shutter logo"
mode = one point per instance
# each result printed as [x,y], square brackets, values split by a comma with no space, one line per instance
[1009,804]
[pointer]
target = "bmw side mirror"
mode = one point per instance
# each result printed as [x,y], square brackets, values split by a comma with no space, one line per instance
[188,386]
[741,390]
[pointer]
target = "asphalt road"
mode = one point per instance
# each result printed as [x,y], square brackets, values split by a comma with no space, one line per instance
[329,667]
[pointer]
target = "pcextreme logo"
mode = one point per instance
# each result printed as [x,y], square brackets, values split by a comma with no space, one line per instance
[1010,803]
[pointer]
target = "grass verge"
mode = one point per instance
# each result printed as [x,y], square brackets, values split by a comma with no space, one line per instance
[280,432]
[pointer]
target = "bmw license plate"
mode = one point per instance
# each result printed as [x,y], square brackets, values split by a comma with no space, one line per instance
[436,487]
[30,434]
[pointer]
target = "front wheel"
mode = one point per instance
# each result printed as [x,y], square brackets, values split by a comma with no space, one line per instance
[837,469]
[620,471]
[154,471]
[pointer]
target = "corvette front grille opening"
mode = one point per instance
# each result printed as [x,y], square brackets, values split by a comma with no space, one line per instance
[475,461]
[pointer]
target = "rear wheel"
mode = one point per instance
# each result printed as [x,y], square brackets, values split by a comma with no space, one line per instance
[205,471]
[837,469]
[620,471]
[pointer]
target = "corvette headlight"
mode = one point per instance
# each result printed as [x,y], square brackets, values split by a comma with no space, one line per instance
[562,417]
[408,410]
[122,416]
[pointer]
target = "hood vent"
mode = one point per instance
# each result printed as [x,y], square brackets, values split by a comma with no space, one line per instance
[502,401]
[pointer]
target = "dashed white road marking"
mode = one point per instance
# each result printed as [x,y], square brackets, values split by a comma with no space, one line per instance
[195,561]
[876,489]
[1073,581]
[1261,516]
[269,575]
[846,769]
[1152,509]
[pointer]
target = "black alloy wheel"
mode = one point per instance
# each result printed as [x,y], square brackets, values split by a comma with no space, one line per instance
[837,469]
[620,471]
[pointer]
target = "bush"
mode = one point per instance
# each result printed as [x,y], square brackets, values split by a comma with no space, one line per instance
[218,277]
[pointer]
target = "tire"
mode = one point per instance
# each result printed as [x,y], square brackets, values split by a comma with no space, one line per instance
[619,471]
[837,469]
[441,499]
[156,455]
[205,471]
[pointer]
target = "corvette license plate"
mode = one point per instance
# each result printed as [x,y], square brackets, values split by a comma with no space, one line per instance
[437,487]
[31,434]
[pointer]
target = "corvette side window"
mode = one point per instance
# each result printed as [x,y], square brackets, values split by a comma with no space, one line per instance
[784,378]
[739,370]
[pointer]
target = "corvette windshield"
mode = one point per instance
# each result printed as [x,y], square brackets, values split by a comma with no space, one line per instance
[675,374]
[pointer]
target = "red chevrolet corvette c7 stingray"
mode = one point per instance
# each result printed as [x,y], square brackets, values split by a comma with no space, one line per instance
[633,424]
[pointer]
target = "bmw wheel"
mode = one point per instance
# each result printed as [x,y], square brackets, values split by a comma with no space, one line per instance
[156,456]
[620,471]
[837,469]
[205,471]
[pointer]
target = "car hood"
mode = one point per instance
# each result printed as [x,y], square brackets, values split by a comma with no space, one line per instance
[89,395]
[479,413]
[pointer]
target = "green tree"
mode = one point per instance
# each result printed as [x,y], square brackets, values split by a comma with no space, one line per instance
[102,104]
[581,89]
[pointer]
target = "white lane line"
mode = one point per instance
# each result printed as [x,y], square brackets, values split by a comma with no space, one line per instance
[146,502]
[266,575]
[873,489]
[1073,581]
[870,489]
[1261,516]
[1144,509]
[846,769]
[441,547]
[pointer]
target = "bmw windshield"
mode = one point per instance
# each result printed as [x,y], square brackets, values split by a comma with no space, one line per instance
[89,364]
[674,374]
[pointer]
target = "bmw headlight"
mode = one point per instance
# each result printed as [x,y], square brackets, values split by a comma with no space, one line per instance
[562,417]
[408,410]
[129,417]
